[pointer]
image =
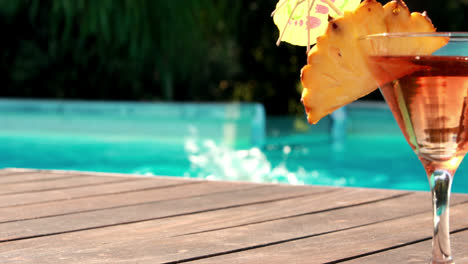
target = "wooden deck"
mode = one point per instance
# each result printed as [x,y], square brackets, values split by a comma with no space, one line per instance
[73,217]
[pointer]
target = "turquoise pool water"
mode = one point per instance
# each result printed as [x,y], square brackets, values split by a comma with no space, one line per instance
[231,142]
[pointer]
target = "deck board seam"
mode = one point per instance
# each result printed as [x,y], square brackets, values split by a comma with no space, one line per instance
[315,235]
[150,219]
[122,206]
[277,242]
[66,187]
[391,248]
[299,215]
[119,206]
[159,201]
[106,194]
[16,173]
[42,180]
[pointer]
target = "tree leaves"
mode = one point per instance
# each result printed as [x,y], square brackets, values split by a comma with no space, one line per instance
[158,49]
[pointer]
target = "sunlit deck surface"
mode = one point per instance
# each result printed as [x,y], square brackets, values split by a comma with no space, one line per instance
[75,217]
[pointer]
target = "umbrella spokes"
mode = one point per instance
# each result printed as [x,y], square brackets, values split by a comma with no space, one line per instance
[289,19]
[280,5]
[333,6]
[310,22]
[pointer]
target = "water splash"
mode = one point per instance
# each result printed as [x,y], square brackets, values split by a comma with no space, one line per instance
[273,164]
[216,162]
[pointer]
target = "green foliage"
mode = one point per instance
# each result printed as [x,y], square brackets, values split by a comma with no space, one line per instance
[197,50]
[127,49]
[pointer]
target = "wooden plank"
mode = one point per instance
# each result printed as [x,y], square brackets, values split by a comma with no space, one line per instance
[33,177]
[183,221]
[143,242]
[149,211]
[62,183]
[132,197]
[417,253]
[241,216]
[120,185]
[345,243]
[9,171]
[4,171]
[277,210]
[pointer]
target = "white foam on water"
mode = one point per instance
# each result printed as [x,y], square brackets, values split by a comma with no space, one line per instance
[216,162]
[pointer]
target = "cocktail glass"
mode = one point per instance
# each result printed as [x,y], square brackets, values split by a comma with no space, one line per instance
[427,95]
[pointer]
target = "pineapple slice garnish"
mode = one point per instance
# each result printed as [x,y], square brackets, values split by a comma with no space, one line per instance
[337,74]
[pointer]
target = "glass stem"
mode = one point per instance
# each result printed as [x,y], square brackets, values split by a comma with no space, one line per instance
[441,182]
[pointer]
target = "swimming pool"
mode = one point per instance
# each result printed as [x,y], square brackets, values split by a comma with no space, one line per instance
[213,141]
